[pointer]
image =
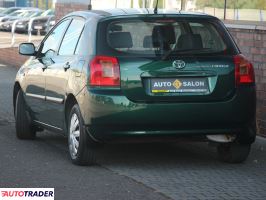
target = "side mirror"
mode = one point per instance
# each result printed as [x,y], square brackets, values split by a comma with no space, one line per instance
[27,49]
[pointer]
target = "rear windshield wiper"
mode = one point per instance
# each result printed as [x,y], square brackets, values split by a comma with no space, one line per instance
[199,50]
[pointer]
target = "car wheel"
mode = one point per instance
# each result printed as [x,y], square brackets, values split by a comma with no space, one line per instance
[80,148]
[24,128]
[233,152]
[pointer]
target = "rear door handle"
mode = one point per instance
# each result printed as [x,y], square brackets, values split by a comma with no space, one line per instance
[66,66]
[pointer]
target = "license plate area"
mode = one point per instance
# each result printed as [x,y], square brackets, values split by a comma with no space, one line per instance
[38,27]
[179,85]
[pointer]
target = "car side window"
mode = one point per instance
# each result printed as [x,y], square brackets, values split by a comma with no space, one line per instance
[71,37]
[51,43]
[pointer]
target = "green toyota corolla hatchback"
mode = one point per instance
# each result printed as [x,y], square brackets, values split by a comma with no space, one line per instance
[135,75]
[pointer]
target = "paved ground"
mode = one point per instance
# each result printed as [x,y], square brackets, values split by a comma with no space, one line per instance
[181,171]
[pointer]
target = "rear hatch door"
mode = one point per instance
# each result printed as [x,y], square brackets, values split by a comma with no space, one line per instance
[170,59]
[207,78]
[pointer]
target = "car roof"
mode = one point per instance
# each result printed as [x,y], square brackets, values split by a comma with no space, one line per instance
[27,9]
[20,11]
[134,11]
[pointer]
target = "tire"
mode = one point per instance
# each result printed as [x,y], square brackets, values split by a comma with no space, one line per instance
[233,152]
[81,147]
[24,128]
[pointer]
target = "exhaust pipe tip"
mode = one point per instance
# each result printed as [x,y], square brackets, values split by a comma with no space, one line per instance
[226,138]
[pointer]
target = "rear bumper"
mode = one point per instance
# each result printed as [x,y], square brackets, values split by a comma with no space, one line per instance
[109,116]
[42,31]
[21,29]
[111,134]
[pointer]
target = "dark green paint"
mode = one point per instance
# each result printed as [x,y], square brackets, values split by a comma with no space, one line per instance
[133,110]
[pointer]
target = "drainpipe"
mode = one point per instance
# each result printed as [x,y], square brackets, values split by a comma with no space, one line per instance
[183,4]
[225,5]
[89,5]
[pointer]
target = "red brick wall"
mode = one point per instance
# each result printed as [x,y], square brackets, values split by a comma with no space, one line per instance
[11,57]
[62,9]
[252,43]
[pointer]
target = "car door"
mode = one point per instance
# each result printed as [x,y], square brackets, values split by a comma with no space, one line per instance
[35,88]
[57,74]
[35,79]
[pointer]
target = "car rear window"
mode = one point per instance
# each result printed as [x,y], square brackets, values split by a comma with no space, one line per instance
[161,36]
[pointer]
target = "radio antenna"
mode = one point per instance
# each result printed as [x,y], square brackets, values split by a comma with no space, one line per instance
[156,7]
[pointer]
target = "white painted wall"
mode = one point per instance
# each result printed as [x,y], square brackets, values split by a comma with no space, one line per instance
[105,4]
[75,1]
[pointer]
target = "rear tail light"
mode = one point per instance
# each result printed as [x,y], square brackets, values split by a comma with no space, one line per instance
[104,71]
[244,72]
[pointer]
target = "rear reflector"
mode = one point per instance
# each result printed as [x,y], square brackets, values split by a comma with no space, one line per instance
[244,72]
[104,71]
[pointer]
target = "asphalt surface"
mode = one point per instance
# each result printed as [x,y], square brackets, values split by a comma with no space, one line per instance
[138,171]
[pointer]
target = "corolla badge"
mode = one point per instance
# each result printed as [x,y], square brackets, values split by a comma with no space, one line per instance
[179,64]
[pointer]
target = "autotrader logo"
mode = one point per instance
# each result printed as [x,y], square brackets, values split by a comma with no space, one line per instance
[26,193]
[179,64]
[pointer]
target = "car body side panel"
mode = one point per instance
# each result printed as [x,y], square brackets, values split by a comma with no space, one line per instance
[77,78]
[86,51]
[34,89]
[56,83]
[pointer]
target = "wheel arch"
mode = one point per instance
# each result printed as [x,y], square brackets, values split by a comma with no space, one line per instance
[69,103]
[16,89]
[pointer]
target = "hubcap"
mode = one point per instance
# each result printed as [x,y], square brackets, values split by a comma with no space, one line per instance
[74,135]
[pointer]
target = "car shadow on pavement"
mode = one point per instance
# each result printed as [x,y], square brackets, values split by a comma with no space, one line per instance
[134,154]
[147,154]
[155,155]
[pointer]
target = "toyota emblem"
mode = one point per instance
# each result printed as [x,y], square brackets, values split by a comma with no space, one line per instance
[179,64]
